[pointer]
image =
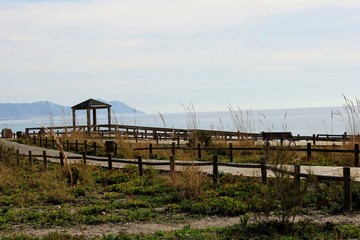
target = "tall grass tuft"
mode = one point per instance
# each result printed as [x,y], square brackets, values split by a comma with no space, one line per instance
[242,120]
[189,182]
[352,115]
[60,146]
[193,122]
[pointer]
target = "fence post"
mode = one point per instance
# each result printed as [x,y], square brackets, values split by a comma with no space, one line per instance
[314,139]
[151,151]
[30,159]
[267,150]
[45,160]
[85,145]
[199,151]
[263,170]
[109,161]
[231,152]
[67,144]
[76,145]
[356,152]
[156,137]
[173,149]
[297,175]
[61,159]
[308,151]
[40,140]
[140,164]
[172,164]
[347,189]
[84,157]
[46,142]
[94,145]
[17,157]
[215,168]
[178,140]
[34,139]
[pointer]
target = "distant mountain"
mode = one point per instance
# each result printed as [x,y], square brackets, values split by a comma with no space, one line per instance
[45,108]
[120,107]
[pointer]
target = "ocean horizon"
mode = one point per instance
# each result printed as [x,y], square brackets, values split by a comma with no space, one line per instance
[303,121]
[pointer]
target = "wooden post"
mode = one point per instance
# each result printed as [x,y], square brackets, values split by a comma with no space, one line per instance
[46,142]
[34,139]
[199,151]
[45,160]
[356,153]
[61,159]
[84,157]
[76,145]
[140,164]
[173,149]
[178,140]
[314,140]
[151,151]
[17,157]
[215,168]
[109,162]
[263,170]
[85,145]
[347,189]
[231,152]
[172,165]
[267,150]
[308,151]
[297,175]
[40,140]
[156,137]
[30,159]
[94,145]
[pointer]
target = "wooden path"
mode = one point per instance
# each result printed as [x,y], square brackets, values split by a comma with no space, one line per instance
[256,172]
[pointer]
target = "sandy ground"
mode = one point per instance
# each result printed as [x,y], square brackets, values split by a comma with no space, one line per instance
[90,231]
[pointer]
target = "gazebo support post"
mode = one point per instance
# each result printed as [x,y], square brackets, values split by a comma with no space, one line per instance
[94,119]
[88,121]
[74,119]
[109,119]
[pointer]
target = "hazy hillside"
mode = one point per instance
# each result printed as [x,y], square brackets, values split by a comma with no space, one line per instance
[44,108]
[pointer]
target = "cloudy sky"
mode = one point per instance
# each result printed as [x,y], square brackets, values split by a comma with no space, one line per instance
[158,55]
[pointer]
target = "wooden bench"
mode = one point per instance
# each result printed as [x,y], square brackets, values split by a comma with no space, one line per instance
[282,136]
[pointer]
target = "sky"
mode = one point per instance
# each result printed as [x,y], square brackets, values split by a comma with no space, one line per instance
[164,55]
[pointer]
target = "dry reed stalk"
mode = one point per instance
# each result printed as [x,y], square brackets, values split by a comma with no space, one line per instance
[59,145]
[242,120]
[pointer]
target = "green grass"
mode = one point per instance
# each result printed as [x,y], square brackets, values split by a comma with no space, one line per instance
[31,197]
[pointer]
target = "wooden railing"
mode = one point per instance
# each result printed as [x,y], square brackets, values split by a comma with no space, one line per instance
[176,134]
[230,151]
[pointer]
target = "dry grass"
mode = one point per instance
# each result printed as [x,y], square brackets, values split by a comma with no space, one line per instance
[189,182]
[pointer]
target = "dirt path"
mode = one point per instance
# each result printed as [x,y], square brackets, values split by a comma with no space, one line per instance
[90,231]
[316,170]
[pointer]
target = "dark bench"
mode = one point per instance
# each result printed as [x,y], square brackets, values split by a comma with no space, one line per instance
[282,136]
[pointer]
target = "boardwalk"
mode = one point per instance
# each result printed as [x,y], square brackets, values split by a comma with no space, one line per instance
[316,170]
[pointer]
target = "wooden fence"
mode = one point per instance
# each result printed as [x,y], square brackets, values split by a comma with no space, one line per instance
[172,165]
[86,146]
[176,134]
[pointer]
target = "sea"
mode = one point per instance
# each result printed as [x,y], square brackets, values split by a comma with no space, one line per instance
[303,121]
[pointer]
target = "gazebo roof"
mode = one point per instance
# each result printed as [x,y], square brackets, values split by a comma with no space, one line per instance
[91,104]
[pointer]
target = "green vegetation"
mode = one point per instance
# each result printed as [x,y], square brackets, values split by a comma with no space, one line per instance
[32,197]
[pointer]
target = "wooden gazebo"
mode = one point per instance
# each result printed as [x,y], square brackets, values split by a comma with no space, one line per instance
[89,105]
